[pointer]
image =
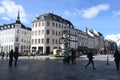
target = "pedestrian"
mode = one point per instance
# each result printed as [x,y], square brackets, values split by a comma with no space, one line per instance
[3,54]
[29,54]
[33,54]
[117,59]
[16,54]
[66,57]
[73,56]
[90,57]
[7,54]
[11,57]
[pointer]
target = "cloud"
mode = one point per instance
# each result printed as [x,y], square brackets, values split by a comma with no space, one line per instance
[114,37]
[6,18]
[92,11]
[10,9]
[69,13]
[116,13]
[66,12]
[2,10]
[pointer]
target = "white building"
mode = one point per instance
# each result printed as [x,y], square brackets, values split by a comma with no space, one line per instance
[47,31]
[15,36]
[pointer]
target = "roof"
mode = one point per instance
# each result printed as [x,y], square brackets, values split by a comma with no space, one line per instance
[12,25]
[51,16]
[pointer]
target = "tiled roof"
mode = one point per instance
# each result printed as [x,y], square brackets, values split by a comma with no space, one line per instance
[12,25]
[51,16]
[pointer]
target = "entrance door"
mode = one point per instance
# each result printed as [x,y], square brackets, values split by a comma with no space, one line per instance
[48,50]
[40,50]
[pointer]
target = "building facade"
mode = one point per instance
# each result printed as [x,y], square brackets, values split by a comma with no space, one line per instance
[47,31]
[15,36]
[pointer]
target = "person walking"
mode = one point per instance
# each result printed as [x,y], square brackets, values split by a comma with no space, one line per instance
[90,57]
[117,59]
[11,57]
[16,54]
[66,57]
[73,56]
[3,54]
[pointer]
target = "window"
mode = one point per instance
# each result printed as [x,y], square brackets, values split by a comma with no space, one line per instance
[32,41]
[59,25]
[53,41]
[39,41]
[32,32]
[48,23]
[35,32]
[36,25]
[47,40]
[56,41]
[16,39]
[53,24]
[52,32]
[62,26]
[33,25]
[21,40]
[48,32]
[42,17]
[39,24]
[56,25]
[35,41]
[59,33]
[39,32]
[42,23]
[25,33]
[56,33]
[42,32]
[17,30]
[42,40]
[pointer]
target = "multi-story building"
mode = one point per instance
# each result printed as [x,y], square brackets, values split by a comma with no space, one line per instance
[15,36]
[82,38]
[47,31]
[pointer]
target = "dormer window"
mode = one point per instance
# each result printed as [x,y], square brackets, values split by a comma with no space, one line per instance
[61,20]
[54,17]
[4,26]
[1,27]
[12,26]
[42,17]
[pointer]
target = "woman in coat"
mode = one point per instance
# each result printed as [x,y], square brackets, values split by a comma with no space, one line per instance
[117,59]
[11,54]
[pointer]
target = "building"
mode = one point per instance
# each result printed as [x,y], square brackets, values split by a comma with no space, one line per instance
[15,36]
[47,34]
[47,31]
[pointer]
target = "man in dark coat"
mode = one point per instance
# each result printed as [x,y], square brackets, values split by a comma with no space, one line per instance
[90,57]
[73,56]
[117,59]
[11,57]
[16,54]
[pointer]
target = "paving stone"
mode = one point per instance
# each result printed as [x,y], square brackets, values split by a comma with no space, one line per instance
[54,69]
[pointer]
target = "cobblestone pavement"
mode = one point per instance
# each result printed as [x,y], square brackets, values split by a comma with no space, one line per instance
[54,69]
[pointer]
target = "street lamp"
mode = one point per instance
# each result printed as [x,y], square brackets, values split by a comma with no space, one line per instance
[107,52]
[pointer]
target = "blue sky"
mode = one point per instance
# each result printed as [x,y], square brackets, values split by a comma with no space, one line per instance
[101,15]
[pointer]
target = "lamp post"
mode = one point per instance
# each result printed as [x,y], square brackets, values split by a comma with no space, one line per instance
[108,51]
[107,57]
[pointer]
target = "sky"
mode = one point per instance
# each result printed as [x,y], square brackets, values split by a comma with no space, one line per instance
[100,15]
